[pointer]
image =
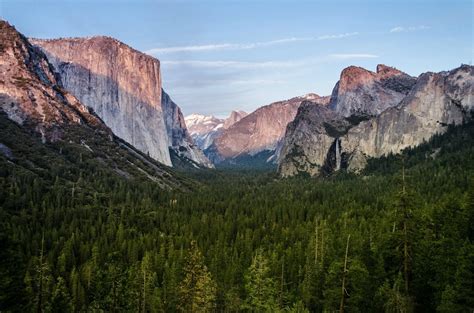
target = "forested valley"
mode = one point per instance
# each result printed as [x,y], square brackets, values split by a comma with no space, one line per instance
[397,237]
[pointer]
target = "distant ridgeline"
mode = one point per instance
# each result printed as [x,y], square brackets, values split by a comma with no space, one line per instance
[372,115]
[369,114]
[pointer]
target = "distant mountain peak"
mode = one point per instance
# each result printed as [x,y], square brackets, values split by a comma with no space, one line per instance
[234,117]
[363,92]
[205,128]
[355,76]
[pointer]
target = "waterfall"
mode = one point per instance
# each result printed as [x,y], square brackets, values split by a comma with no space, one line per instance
[338,155]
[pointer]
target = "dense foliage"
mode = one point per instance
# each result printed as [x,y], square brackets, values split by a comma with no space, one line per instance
[395,238]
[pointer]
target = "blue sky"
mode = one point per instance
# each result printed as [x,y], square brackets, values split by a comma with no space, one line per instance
[223,55]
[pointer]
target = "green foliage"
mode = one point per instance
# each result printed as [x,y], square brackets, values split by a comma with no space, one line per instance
[393,298]
[61,300]
[78,236]
[197,289]
[260,286]
[258,162]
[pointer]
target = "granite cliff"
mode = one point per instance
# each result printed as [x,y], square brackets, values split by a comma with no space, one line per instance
[374,114]
[179,140]
[123,86]
[31,93]
[35,107]
[365,93]
[261,130]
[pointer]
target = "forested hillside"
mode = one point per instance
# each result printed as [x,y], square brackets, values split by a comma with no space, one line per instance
[396,238]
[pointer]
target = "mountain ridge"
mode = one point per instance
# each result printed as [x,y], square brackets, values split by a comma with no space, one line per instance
[37,110]
[258,131]
[326,139]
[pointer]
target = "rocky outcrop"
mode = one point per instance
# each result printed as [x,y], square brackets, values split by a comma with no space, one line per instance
[31,93]
[234,117]
[307,140]
[32,96]
[179,139]
[325,139]
[259,131]
[436,101]
[123,86]
[365,93]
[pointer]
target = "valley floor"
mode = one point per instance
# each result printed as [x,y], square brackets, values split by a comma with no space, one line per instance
[244,240]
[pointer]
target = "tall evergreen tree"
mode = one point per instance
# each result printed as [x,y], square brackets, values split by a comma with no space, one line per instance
[197,290]
[260,286]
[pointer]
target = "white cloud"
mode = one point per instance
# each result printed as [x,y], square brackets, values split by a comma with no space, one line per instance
[337,36]
[230,64]
[273,42]
[400,29]
[265,64]
[243,46]
[257,82]
[189,48]
[224,46]
[200,83]
[353,56]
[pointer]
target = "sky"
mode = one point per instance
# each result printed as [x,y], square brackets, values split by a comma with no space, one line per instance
[219,56]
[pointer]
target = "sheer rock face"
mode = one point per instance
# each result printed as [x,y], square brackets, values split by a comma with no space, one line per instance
[259,131]
[179,139]
[436,100]
[366,93]
[306,141]
[31,93]
[123,86]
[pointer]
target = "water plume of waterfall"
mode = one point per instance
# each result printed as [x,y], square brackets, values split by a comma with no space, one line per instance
[338,154]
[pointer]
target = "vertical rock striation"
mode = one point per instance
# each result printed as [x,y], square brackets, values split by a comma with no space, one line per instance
[436,101]
[123,86]
[365,93]
[32,96]
[374,114]
[179,139]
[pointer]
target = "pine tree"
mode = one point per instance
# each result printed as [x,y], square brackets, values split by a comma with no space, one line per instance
[38,281]
[405,229]
[61,300]
[147,277]
[260,286]
[312,286]
[344,275]
[197,290]
[393,298]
